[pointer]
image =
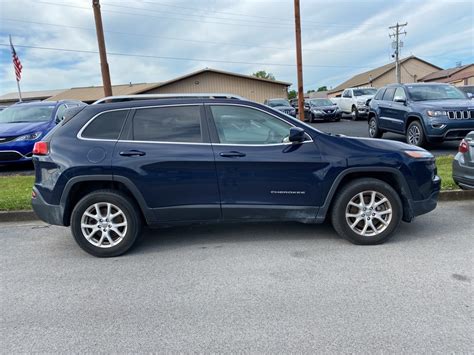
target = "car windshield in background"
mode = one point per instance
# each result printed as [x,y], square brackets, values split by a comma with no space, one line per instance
[361,92]
[435,92]
[18,114]
[321,102]
[276,103]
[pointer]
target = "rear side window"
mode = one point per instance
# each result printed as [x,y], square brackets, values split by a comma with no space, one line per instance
[379,94]
[106,126]
[388,96]
[168,124]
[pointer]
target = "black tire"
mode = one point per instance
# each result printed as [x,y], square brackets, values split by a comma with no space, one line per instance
[374,130]
[354,113]
[311,118]
[129,233]
[341,223]
[415,134]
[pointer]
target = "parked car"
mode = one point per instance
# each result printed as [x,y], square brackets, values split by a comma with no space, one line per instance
[463,163]
[281,105]
[323,109]
[23,124]
[355,101]
[468,90]
[424,113]
[116,166]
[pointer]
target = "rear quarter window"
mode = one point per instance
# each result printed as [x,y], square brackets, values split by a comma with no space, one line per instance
[107,125]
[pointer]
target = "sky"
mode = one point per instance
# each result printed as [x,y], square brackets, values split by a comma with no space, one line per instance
[157,40]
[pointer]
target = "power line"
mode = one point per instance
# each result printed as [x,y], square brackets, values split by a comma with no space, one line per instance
[169,38]
[182,58]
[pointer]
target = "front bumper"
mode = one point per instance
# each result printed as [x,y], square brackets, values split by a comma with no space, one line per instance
[362,110]
[326,115]
[16,152]
[419,207]
[444,129]
[51,214]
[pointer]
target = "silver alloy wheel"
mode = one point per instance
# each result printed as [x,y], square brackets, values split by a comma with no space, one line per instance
[414,135]
[369,213]
[372,127]
[104,225]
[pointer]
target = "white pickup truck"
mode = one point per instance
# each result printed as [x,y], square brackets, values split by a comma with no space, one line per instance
[354,101]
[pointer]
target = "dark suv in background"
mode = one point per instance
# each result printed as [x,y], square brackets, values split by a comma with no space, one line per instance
[112,167]
[424,113]
[281,105]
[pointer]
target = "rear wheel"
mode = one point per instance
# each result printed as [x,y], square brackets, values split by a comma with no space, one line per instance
[415,134]
[374,130]
[105,223]
[366,211]
[354,113]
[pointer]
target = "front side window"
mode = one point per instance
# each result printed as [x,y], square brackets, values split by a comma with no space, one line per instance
[245,125]
[60,112]
[399,95]
[107,125]
[168,124]
[346,93]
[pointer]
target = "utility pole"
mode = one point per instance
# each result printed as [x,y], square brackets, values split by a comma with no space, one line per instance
[299,61]
[398,44]
[104,66]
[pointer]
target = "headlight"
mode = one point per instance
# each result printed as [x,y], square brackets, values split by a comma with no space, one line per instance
[435,113]
[29,137]
[418,154]
[361,102]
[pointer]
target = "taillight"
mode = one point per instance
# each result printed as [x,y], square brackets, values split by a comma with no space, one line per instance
[41,148]
[463,147]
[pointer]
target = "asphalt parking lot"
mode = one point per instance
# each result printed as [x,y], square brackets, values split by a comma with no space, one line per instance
[262,288]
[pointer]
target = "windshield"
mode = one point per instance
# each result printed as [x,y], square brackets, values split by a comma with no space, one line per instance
[321,102]
[17,114]
[435,92]
[276,103]
[360,92]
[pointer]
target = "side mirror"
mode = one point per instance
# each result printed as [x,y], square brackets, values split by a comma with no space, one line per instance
[296,135]
[470,95]
[400,100]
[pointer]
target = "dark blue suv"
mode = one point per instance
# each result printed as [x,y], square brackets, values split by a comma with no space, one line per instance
[112,167]
[424,113]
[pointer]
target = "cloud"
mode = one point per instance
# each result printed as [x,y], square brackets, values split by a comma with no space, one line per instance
[340,38]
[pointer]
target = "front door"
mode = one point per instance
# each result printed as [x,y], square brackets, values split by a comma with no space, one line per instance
[165,151]
[260,174]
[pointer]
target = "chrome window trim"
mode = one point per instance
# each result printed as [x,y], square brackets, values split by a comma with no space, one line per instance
[79,134]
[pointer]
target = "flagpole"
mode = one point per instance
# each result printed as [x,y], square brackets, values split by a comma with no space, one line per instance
[19,91]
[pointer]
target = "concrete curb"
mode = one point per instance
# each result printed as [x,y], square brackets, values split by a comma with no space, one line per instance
[456,195]
[19,216]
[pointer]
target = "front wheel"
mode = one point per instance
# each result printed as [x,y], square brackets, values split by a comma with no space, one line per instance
[415,134]
[354,113]
[105,223]
[374,130]
[366,211]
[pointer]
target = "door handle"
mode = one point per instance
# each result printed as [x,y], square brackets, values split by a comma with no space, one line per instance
[232,154]
[132,153]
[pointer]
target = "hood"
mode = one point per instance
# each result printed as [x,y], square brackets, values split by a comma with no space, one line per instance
[331,107]
[21,128]
[380,144]
[446,104]
[364,97]
[283,108]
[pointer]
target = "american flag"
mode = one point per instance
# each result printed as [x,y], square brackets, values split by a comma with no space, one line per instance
[16,62]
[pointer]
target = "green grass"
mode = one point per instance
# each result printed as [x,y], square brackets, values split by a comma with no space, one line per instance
[445,171]
[15,192]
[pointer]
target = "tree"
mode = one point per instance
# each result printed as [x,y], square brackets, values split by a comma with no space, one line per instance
[292,94]
[310,91]
[262,74]
[323,88]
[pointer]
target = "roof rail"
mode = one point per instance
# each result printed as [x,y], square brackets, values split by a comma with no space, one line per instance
[121,98]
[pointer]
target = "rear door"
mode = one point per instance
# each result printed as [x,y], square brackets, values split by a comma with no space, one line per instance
[399,110]
[346,100]
[259,175]
[385,108]
[165,151]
